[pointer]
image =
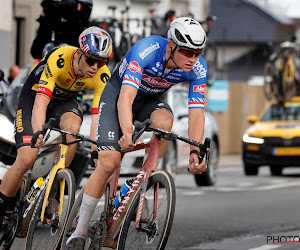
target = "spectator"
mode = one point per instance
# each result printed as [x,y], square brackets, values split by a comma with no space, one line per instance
[13,72]
[61,22]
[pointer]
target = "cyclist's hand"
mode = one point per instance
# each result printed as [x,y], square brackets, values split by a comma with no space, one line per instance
[126,141]
[195,167]
[37,140]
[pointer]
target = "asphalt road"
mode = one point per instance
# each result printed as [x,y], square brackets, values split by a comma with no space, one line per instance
[238,213]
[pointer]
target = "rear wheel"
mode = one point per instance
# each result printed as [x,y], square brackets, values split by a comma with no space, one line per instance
[48,234]
[250,169]
[152,233]
[209,177]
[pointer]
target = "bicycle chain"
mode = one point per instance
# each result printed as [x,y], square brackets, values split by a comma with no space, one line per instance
[100,229]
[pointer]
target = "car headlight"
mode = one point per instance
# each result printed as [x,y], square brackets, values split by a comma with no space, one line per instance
[7,129]
[251,139]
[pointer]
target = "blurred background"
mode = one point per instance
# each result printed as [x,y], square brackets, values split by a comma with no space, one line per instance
[242,35]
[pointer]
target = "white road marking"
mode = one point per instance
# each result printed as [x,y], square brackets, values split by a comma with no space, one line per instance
[276,186]
[265,247]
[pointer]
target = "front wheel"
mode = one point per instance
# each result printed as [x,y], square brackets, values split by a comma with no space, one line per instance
[48,234]
[152,233]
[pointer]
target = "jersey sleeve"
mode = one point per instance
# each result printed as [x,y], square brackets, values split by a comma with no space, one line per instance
[197,84]
[101,80]
[50,74]
[138,57]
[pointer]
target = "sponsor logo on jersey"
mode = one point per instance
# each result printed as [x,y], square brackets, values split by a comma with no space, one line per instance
[104,77]
[199,70]
[123,66]
[149,50]
[60,62]
[135,67]
[80,83]
[26,139]
[43,82]
[199,88]
[154,69]
[39,70]
[18,121]
[68,80]
[157,82]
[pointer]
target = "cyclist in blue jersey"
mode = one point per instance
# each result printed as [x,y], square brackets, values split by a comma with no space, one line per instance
[150,68]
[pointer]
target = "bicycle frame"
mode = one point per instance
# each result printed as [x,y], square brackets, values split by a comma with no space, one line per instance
[63,149]
[140,182]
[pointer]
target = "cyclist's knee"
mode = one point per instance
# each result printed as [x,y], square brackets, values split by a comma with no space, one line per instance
[70,122]
[108,161]
[24,162]
[162,119]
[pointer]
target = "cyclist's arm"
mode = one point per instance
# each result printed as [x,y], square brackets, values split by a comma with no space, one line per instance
[126,98]
[196,125]
[196,130]
[38,117]
[94,131]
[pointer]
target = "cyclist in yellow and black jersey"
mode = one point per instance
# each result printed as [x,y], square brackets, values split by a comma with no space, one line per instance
[50,91]
[56,79]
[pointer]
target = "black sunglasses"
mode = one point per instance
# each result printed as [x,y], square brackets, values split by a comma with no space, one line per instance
[189,52]
[91,61]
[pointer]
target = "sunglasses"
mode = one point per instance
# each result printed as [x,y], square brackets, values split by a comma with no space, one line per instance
[189,52]
[91,61]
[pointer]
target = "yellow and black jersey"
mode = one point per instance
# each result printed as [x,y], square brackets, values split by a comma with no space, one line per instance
[55,77]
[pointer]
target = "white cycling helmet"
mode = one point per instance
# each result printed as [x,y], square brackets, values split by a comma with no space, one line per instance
[187,32]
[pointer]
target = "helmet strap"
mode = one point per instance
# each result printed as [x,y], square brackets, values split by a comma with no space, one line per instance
[171,56]
[81,54]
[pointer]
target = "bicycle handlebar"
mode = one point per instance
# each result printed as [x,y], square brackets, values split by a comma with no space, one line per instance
[141,127]
[47,127]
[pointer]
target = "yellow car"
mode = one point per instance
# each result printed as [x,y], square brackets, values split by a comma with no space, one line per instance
[274,138]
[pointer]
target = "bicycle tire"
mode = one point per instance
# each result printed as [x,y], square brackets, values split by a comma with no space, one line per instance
[102,206]
[130,237]
[288,83]
[269,84]
[43,236]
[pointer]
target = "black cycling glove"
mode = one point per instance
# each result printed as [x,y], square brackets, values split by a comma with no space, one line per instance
[35,137]
[94,156]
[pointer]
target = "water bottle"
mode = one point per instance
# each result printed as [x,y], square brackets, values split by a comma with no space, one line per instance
[34,189]
[126,186]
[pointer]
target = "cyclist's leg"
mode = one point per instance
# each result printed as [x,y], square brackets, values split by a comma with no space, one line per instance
[26,155]
[68,115]
[160,114]
[108,134]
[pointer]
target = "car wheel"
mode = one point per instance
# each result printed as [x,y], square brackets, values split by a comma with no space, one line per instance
[276,170]
[169,161]
[250,169]
[209,177]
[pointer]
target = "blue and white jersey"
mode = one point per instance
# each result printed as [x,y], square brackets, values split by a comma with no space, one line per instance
[143,68]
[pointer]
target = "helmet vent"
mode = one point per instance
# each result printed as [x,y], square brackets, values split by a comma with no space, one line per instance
[179,36]
[104,44]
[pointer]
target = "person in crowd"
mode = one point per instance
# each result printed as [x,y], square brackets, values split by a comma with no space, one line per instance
[13,72]
[61,22]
